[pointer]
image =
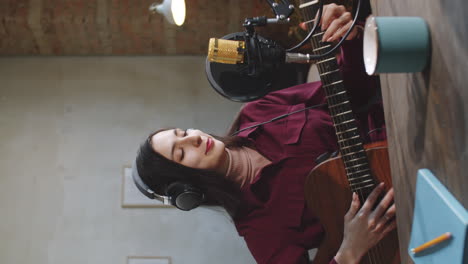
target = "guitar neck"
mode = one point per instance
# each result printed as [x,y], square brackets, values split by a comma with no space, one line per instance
[349,139]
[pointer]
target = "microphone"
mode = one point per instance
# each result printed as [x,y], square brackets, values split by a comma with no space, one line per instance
[244,66]
[237,52]
[226,51]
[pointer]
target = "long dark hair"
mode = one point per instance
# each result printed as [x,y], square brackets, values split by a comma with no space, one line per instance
[158,172]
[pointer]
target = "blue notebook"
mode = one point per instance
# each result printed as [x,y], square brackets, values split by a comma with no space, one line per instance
[436,212]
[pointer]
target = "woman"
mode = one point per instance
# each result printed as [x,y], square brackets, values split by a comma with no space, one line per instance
[258,175]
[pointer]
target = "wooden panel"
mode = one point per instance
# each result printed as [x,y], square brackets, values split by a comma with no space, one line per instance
[425,112]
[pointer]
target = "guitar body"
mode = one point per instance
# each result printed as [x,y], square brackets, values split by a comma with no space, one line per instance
[328,195]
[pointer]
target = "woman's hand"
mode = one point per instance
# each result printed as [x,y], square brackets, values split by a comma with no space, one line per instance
[365,227]
[336,21]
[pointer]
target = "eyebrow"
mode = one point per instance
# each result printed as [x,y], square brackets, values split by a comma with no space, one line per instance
[173,145]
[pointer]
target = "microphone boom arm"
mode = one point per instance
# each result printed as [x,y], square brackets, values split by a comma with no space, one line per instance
[282,10]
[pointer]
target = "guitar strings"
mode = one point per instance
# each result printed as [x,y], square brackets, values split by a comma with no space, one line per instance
[372,256]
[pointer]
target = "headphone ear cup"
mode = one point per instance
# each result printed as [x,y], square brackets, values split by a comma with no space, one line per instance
[184,196]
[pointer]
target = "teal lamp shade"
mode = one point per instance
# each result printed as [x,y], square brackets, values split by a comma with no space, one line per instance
[173,10]
[396,45]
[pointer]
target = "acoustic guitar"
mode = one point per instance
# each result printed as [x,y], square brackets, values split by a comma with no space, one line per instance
[358,168]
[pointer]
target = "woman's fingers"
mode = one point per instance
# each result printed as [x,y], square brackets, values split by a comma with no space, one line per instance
[330,13]
[360,232]
[375,220]
[383,221]
[338,33]
[303,26]
[383,205]
[390,212]
[337,27]
[335,22]
[342,31]
[353,208]
[392,225]
[371,199]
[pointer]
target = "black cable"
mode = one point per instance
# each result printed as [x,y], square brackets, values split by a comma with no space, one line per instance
[277,118]
[311,32]
[316,57]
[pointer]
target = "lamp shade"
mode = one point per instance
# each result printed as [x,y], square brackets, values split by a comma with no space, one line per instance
[173,10]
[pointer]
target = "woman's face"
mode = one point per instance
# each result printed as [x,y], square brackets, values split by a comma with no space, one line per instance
[191,148]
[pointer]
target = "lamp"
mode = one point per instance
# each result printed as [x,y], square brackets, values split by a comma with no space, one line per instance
[173,10]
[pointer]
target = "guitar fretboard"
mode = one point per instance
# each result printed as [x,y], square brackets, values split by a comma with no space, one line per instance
[349,139]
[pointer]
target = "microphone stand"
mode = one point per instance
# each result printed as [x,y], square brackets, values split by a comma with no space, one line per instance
[282,11]
[274,53]
[263,59]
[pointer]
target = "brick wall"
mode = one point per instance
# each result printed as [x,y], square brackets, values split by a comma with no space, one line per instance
[117,27]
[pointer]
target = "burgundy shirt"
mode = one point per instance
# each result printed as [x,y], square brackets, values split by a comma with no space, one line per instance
[274,220]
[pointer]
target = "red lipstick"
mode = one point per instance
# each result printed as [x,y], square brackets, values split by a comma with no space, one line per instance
[209,144]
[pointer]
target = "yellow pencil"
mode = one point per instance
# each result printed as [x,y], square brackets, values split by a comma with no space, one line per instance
[431,243]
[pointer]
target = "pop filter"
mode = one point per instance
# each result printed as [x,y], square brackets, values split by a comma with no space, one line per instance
[232,80]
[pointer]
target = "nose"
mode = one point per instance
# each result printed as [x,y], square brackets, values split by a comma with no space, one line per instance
[193,140]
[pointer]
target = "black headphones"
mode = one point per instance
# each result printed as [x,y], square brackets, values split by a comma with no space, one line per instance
[182,195]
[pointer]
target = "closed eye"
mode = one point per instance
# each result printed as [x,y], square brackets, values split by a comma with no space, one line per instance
[182,153]
[179,151]
[184,132]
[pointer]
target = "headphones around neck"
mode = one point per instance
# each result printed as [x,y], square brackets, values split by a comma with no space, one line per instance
[186,196]
[182,195]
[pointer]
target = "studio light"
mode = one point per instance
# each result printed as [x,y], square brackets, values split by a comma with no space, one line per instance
[173,10]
